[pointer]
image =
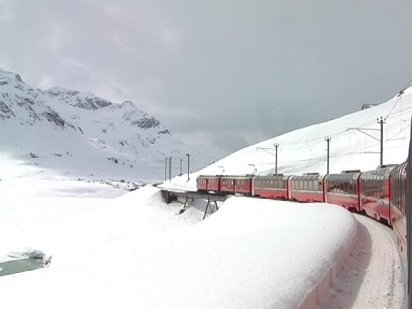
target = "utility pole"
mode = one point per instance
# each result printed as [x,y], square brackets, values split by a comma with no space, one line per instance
[170,168]
[165,169]
[381,121]
[188,166]
[327,139]
[276,160]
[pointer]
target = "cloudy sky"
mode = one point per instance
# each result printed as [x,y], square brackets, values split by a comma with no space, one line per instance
[223,73]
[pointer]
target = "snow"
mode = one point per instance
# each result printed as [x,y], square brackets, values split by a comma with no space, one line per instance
[374,276]
[134,251]
[116,249]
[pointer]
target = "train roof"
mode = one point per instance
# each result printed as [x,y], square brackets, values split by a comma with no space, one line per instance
[210,176]
[272,175]
[350,171]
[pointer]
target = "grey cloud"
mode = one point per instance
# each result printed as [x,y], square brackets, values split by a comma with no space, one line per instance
[224,72]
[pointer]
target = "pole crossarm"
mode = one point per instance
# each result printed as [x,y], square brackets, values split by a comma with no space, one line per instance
[361,130]
[266,149]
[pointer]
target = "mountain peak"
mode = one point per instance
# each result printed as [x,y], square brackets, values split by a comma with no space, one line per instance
[90,133]
[13,79]
[78,99]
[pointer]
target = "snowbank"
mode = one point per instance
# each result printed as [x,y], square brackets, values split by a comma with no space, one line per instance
[134,251]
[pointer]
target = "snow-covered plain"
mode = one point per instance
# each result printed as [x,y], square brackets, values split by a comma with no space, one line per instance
[112,249]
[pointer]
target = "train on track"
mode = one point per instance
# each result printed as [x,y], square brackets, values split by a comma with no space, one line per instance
[379,194]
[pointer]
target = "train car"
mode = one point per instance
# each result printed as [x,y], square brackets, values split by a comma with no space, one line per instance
[213,184]
[374,193]
[271,186]
[306,188]
[208,183]
[397,200]
[236,184]
[201,183]
[343,189]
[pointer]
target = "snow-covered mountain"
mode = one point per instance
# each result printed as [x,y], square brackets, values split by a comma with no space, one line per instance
[92,135]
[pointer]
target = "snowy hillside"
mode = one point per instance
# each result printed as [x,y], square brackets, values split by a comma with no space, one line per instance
[91,135]
[354,144]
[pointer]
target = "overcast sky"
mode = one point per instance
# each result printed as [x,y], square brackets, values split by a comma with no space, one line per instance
[223,73]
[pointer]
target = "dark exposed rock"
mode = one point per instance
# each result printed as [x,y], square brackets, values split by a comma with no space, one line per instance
[147,123]
[92,103]
[25,101]
[5,111]
[113,160]
[55,118]
[18,78]
[166,131]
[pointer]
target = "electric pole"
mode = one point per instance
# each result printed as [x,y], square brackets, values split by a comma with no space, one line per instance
[327,139]
[276,159]
[188,166]
[170,168]
[381,121]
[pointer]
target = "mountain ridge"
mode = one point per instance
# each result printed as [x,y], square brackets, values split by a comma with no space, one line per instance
[63,121]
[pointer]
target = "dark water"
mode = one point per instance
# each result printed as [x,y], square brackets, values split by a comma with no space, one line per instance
[18,266]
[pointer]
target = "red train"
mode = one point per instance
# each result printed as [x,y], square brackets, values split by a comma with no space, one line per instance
[380,194]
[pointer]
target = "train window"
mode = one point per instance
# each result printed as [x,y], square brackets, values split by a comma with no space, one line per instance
[310,185]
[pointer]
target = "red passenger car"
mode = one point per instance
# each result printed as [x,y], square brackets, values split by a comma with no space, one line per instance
[374,193]
[306,188]
[398,204]
[201,183]
[343,189]
[207,183]
[236,184]
[271,186]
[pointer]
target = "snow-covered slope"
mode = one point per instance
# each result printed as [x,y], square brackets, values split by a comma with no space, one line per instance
[91,135]
[354,144]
